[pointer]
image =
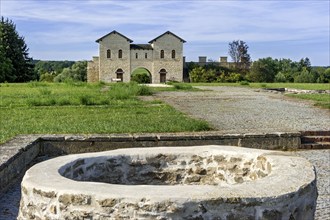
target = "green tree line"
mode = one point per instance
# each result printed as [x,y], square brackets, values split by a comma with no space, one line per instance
[61,71]
[261,70]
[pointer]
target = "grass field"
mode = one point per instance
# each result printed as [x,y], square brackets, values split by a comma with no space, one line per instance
[81,108]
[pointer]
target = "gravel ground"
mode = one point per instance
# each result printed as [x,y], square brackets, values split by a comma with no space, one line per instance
[243,110]
[321,161]
[240,110]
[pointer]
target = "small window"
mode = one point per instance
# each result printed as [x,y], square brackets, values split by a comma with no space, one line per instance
[173,54]
[136,56]
[162,54]
[146,55]
[108,53]
[120,54]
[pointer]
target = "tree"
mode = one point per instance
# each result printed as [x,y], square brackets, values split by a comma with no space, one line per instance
[263,70]
[51,67]
[200,74]
[304,76]
[305,63]
[77,72]
[6,66]
[16,65]
[238,51]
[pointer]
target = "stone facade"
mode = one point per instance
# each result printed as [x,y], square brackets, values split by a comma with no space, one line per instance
[118,58]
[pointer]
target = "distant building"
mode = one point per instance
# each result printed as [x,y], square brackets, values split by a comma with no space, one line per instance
[162,57]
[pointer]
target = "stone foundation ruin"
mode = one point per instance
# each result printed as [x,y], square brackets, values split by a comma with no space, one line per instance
[203,182]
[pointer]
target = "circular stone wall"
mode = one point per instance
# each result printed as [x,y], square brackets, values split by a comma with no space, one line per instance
[203,182]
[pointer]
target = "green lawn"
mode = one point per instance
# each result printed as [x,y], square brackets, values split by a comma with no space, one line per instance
[53,108]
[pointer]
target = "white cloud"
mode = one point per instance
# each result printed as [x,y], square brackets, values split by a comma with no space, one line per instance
[208,21]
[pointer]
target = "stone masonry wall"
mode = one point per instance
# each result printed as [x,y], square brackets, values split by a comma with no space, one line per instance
[18,153]
[141,61]
[174,67]
[285,187]
[93,70]
[15,157]
[109,66]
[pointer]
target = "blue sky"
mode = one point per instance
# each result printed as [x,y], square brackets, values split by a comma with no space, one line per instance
[67,29]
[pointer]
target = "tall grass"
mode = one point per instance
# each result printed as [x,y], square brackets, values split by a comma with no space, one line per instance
[122,91]
[31,108]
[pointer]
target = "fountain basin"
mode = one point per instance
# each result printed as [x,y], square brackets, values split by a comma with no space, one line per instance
[202,182]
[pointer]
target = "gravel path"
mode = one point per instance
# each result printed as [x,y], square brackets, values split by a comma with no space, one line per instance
[243,110]
[321,160]
[240,110]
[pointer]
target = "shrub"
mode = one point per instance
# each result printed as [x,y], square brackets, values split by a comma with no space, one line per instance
[304,77]
[280,77]
[47,77]
[200,74]
[86,100]
[141,77]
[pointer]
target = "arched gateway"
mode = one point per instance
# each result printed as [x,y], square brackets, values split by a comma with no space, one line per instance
[118,58]
[141,75]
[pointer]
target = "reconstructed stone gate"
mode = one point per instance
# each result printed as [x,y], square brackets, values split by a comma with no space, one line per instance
[162,57]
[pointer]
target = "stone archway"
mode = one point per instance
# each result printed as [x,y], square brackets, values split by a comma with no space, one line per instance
[162,76]
[120,75]
[141,75]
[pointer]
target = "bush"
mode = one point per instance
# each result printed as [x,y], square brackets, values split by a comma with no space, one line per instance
[200,74]
[86,100]
[304,77]
[141,77]
[47,77]
[280,77]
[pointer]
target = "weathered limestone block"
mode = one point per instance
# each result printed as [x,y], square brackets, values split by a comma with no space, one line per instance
[203,182]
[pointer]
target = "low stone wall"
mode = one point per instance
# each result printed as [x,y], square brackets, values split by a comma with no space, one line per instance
[296,91]
[17,154]
[15,157]
[60,145]
[239,183]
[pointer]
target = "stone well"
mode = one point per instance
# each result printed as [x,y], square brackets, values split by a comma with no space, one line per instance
[203,182]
